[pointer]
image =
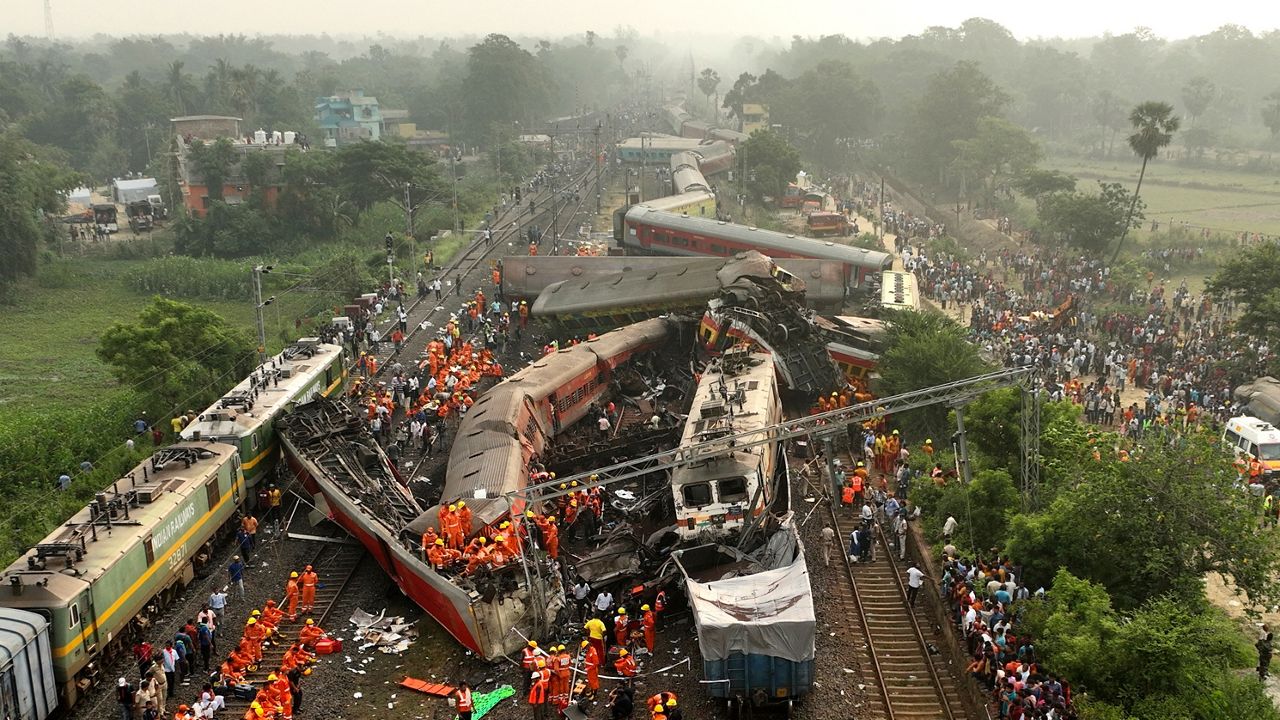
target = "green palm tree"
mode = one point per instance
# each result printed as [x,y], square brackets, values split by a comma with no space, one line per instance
[1154,125]
[179,87]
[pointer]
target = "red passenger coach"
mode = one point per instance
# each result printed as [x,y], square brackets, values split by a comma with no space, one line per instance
[648,231]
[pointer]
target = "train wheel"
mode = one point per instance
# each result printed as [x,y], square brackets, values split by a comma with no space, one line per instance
[780,333]
[791,709]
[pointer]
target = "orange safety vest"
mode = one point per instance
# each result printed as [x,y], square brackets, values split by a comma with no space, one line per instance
[464,701]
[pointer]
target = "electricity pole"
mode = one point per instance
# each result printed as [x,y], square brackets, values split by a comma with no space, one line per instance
[598,163]
[258,304]
[457,226]
[391,258]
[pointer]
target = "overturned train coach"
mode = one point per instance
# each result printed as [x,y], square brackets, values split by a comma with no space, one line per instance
[525,277]
[654,232]
[488,462]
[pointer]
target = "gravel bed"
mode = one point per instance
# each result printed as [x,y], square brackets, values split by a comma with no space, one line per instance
[267,572]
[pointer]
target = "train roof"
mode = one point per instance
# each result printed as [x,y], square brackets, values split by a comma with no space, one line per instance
[728,135]
[752,392]
[162,482]
[690,282]
[763,240]
[679,200]
[265,393]
[487,455]
[656,142]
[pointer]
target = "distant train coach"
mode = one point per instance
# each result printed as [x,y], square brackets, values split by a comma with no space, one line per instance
[648,231]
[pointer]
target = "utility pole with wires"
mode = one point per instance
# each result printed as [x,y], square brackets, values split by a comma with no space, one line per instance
[258,304]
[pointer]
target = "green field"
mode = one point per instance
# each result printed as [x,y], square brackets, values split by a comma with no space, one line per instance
[1223,200]
[47,357]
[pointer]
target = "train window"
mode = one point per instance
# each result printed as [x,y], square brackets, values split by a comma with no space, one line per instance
[151,553]
[717,249]
[732,489]
[696,495]
[212,493]
[253,442]
[73,618]
[678,241]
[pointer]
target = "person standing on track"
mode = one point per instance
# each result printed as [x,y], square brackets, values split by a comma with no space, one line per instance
[309,582]
[828,542]
[235,572]
[291,595]
[915,579]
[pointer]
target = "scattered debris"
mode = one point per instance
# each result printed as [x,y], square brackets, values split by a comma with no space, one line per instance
[390,635]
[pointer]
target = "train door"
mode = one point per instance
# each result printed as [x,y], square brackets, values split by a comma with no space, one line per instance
[81,621]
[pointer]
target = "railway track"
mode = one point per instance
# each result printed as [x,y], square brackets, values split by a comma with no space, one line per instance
[335,565]
[909,685]
[509,225]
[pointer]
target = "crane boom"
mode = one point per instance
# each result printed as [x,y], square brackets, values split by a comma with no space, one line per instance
[822,425]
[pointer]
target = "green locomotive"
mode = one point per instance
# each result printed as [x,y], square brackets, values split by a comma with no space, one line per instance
[96,578]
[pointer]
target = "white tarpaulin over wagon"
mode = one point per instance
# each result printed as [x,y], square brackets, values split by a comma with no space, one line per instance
[767,613]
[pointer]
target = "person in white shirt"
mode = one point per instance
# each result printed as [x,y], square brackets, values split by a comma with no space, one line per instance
[828,540]
[604,602]
[915,580]
[949,527]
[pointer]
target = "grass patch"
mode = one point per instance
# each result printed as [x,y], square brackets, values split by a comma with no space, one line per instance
[1221,199]
[51,333]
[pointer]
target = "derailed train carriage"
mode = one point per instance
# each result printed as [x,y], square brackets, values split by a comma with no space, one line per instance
[525,277]
[757,629]
[489,460]
[593,305]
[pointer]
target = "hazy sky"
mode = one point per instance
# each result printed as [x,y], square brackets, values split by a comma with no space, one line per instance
[1026,18]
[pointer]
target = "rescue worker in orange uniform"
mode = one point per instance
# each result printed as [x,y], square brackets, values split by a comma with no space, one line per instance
[464,519]
[540,690]
[649,622]
[659,604]
[928,447]
[451,528]
[663,698]
[564,669]
[271,617]
[591,663]
[441,557]
[255,634]
[620,629]
[846,493]
[529,657]
[309,582]
[625,665]
[429,538]
[280,695]
[291,595]
[551,538]
[310,633]
[463,702]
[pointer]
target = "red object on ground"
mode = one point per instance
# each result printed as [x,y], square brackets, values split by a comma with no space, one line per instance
[328,646]
[423,686]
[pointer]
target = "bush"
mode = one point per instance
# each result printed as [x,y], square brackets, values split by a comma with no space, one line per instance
[179,276]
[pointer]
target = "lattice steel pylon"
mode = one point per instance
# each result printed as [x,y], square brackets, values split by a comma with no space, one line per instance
[1030,444]
[48,19]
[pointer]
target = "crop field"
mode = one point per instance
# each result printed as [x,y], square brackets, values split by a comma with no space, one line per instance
[47,358]
[1223,200]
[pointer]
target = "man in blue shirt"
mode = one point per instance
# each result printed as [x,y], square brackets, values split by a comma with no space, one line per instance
[140,425]
[236,571]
